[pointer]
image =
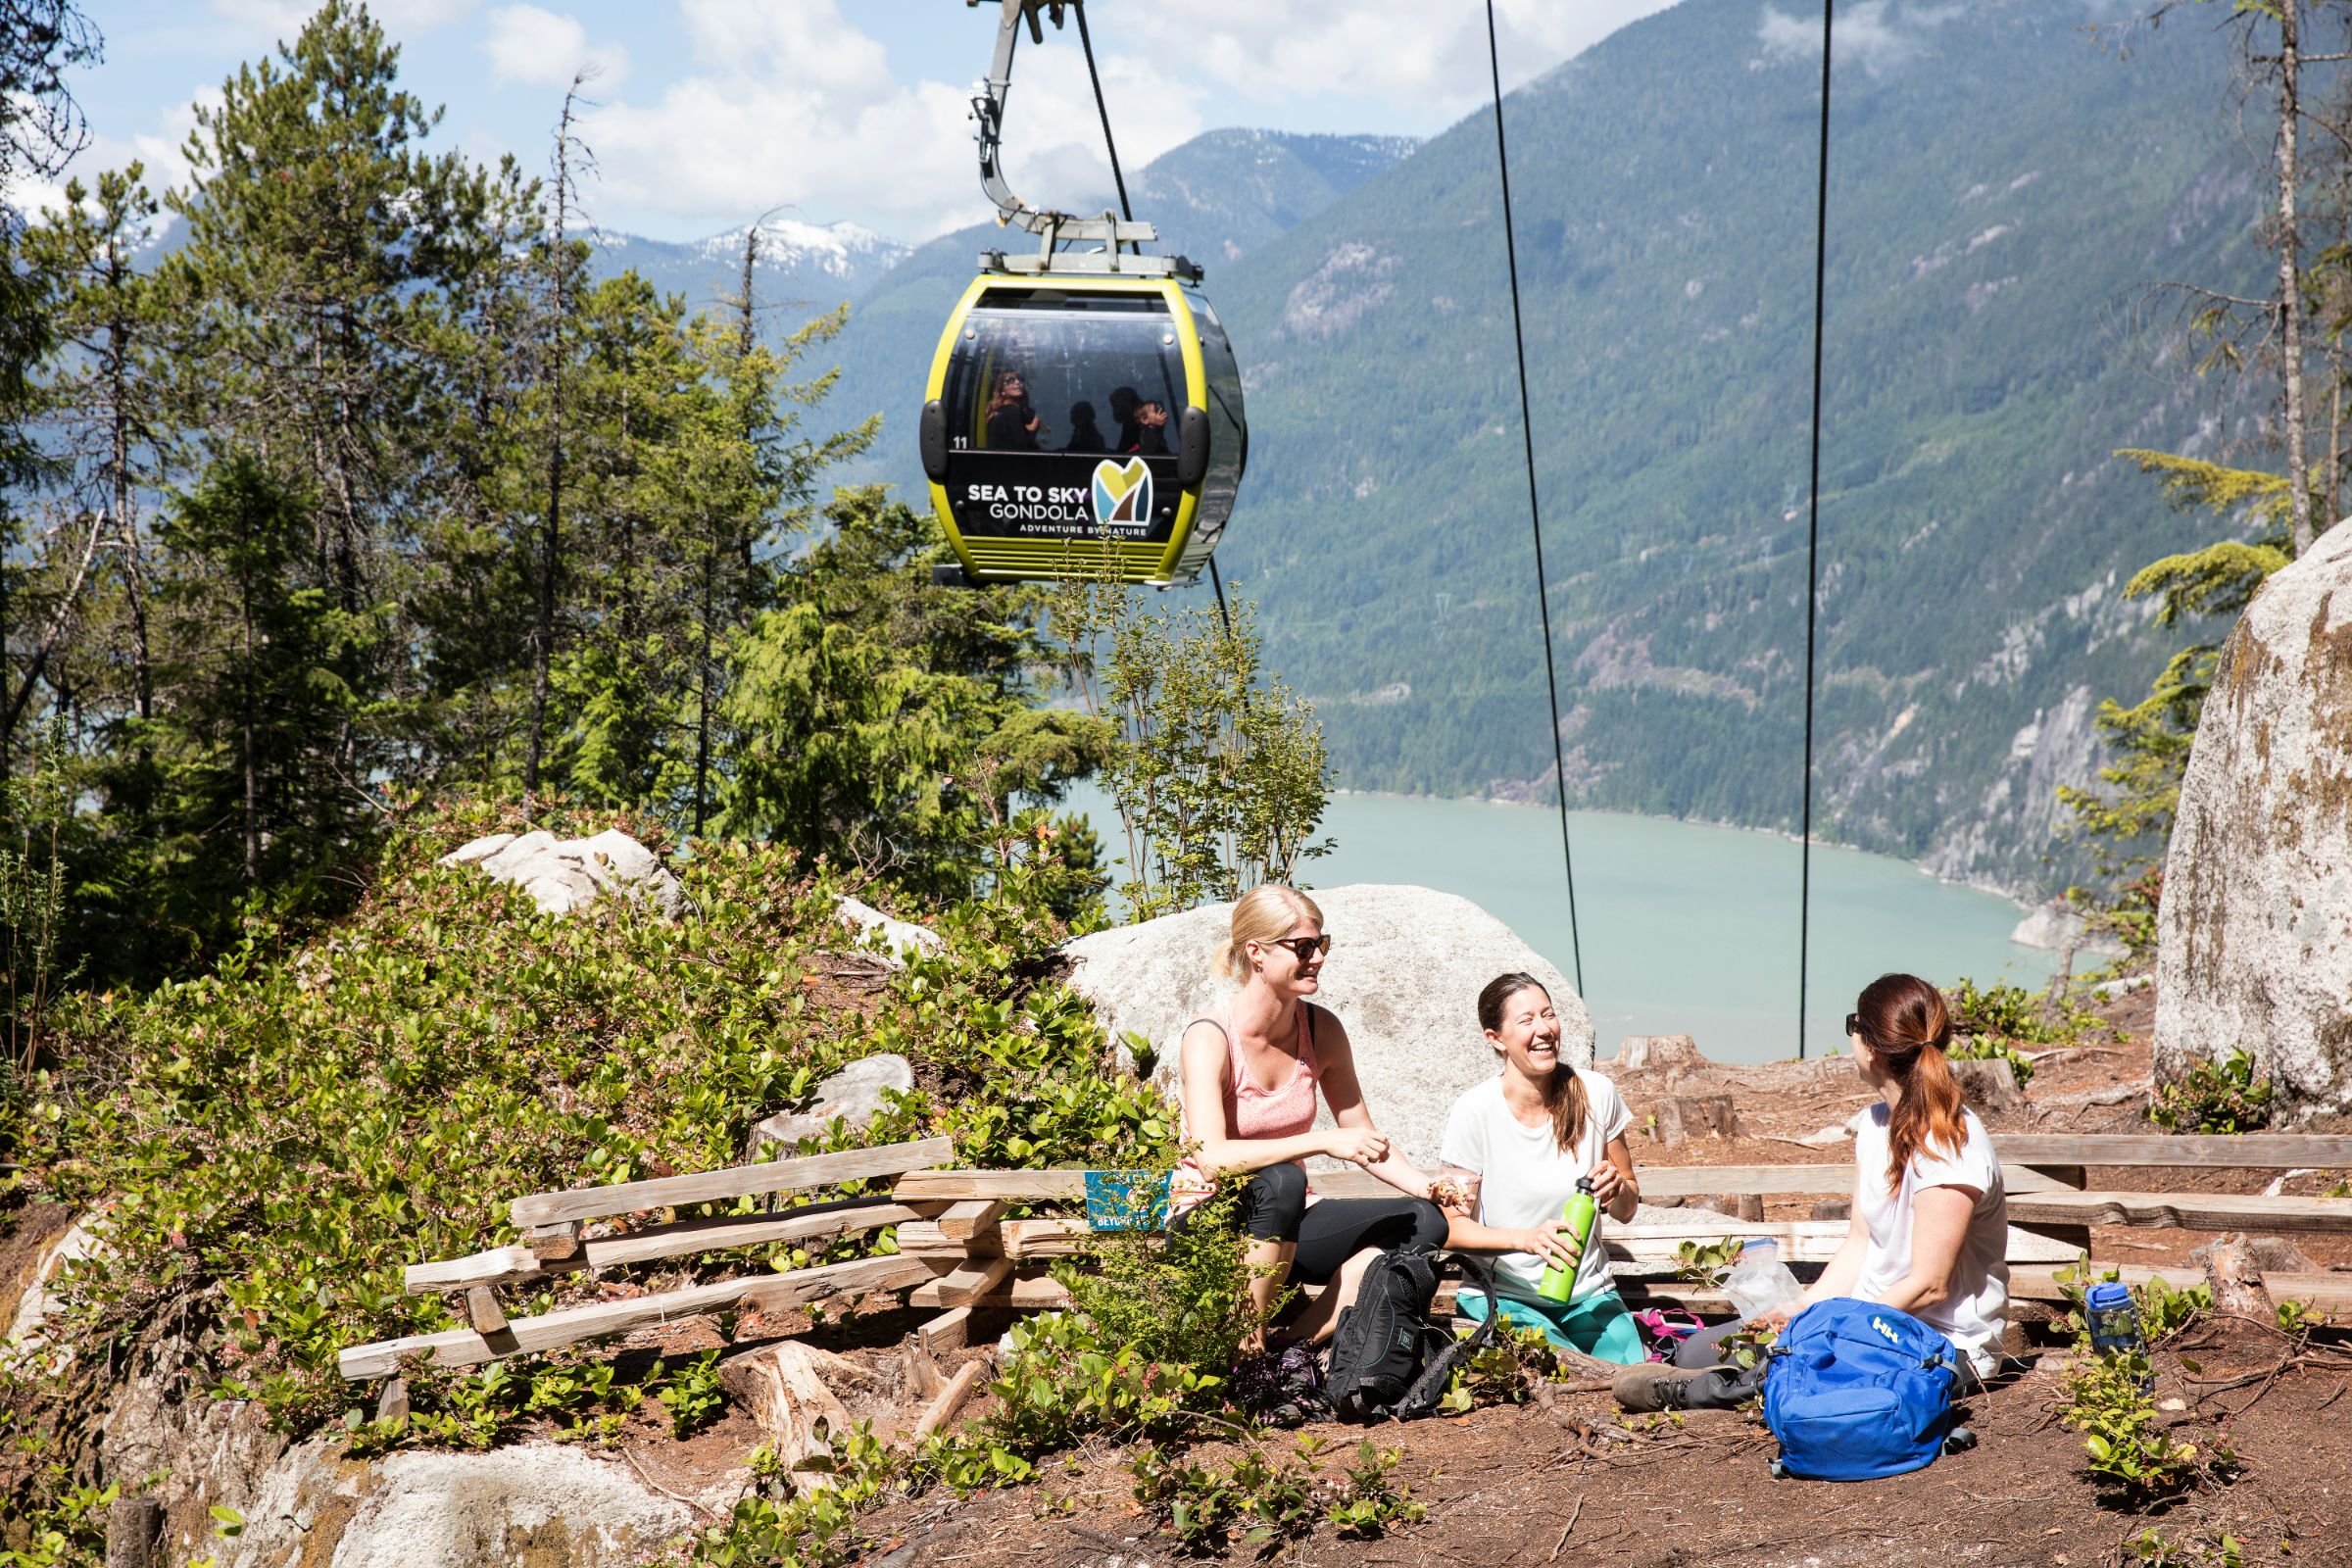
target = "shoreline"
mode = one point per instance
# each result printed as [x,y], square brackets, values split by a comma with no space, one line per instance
[2024,905]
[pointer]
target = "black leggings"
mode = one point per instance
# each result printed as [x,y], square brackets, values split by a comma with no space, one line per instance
[1273,1207]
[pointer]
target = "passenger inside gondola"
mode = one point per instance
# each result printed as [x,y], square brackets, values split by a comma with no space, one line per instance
[1012,425]
[1084,434]
[1152,430]
[1123,401]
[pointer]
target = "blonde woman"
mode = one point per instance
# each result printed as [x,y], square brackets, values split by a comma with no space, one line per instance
[1252,1068]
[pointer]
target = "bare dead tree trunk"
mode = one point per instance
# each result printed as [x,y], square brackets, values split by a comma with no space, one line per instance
[543,632]
[2291,276]
[740,536]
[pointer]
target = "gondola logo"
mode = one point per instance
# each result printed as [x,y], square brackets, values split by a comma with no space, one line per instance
[1122,494]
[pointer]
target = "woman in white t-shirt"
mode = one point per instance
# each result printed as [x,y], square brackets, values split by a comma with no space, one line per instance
[1929,1233]
[1527,1134]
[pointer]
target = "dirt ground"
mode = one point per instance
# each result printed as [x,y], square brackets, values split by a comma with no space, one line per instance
[1575,1481]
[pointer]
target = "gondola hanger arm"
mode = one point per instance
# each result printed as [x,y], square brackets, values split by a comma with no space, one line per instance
[1054,228]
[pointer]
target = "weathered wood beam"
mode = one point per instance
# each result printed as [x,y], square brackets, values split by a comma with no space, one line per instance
[508,1265]
[735,1181]
[1014,1186]
[550,1330]
[2195,1211]
[952,1397]
[2234,1150]
[963,1286]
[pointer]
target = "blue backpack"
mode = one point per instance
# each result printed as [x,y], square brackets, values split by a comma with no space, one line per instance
[1855,1392]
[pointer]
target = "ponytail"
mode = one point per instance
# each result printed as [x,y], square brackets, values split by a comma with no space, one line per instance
[1904,1022]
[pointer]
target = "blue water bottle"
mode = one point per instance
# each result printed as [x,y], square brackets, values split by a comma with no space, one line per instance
[2115,1324]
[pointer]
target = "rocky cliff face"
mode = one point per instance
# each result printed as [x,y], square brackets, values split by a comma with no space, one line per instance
[2255,939]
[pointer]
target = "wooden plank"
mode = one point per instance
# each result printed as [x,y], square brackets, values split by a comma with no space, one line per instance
[820,1222]
[2196,1211]
[553,1243]
[952,1397]
[767,1293]
[946,1332]
[500,1266]
[483,1311]
[968,1218]
[925,1239]
[735,1181]
[2237,1151]
[1035,1294]
[1014,1186]
[1820,1181]
[510,1265]
[965,1285]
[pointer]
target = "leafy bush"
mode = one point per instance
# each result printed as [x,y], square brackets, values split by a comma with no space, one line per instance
[1179,1295]
[296,1127]
[2124,1437]
[2222,1097]
[1989,1022]
[1271,1502]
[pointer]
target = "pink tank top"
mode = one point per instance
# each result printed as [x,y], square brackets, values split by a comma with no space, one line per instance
[1250,1112]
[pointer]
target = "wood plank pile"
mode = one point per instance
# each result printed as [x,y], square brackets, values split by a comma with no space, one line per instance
[959,1251]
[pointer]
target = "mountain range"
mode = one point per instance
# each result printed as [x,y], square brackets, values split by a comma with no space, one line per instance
[2008,190]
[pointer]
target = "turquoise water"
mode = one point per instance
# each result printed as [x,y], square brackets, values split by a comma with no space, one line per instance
[1686,929]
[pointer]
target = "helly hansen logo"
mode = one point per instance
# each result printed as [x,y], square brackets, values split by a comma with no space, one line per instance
[1881,1326]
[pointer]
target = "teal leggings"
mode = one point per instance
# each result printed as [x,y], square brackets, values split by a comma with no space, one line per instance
[1598,1324]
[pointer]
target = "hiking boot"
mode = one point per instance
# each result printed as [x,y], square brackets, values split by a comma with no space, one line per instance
[1652,1387]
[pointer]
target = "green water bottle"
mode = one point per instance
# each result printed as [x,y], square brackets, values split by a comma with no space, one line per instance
[1578,1214]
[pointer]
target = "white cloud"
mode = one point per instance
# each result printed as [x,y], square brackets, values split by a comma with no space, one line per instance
[547,49]
[1872,35]
[1405,50]
[792,105]
[162,150]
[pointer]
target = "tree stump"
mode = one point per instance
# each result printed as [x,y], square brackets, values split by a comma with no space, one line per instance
[1687,1116]
[2236,1279]
[796,1411]
[135,1528]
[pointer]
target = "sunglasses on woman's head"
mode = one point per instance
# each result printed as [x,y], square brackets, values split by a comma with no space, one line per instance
[1306,948]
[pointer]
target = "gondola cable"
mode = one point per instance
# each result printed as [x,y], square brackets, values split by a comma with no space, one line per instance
[1110,145]
[1821,247]
[1526,430]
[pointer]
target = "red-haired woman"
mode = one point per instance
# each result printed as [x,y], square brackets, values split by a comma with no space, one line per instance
[1931,1222]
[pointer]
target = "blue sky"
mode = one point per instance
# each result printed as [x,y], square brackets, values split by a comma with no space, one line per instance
[707,113]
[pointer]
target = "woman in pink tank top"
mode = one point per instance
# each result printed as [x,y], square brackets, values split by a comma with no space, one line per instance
[1252,1070]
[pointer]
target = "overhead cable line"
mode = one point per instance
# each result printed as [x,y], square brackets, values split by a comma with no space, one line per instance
[1110,145]
[1526,430]
[1821,252]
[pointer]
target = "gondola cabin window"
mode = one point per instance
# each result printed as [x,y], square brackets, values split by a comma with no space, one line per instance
[1101,376]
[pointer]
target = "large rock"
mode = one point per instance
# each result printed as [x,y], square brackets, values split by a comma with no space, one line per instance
[2059,929]
[2254,936]
[564,874]
[856,1094]
[536,1503]
[899,938]
[1405,969]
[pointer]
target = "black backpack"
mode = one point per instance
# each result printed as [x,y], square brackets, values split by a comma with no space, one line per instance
[1386,1359]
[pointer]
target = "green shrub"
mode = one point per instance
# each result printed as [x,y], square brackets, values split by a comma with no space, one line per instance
[296,1127]
[2222,1097]
[1180,1295]
[2126,1446]
[1263,1503]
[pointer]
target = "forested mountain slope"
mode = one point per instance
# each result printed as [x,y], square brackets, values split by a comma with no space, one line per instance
[2003,188]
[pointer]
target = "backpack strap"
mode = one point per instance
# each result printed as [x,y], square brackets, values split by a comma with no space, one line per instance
[1438,1371]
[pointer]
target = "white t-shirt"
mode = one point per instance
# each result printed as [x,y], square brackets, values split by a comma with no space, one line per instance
[1972,1316]
[1525,1177]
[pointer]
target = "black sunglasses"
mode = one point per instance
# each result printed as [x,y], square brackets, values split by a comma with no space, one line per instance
[1306,948]
[1853,1024]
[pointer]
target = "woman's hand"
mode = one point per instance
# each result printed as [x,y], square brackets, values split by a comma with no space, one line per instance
[1361,1146]
[1607,1183]
[1551,1243]
[1778,1318]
